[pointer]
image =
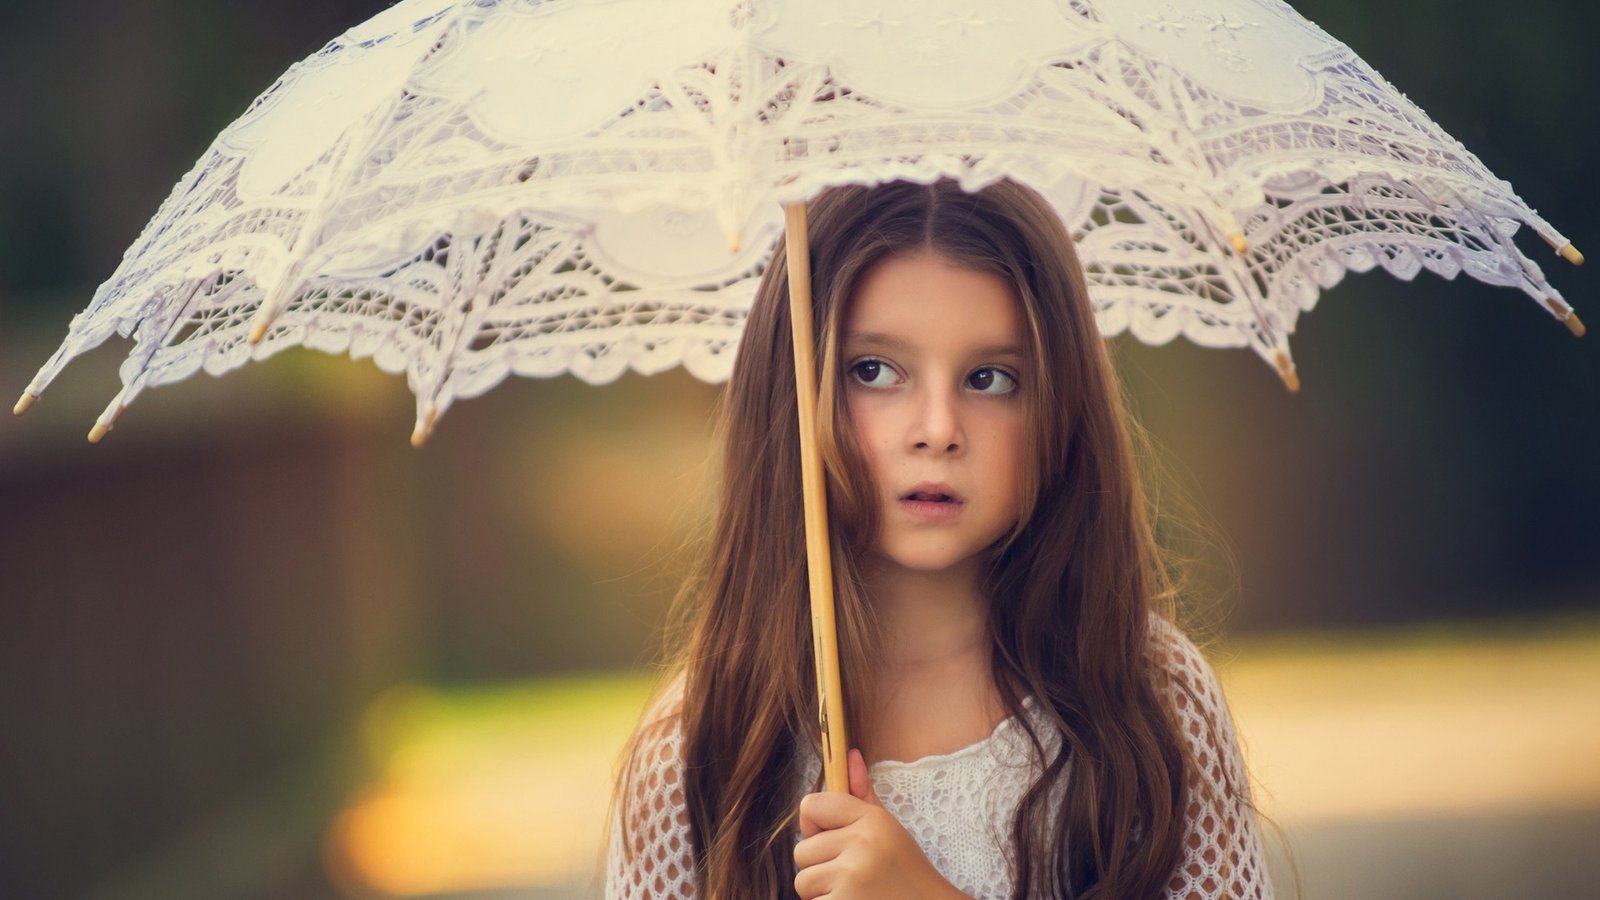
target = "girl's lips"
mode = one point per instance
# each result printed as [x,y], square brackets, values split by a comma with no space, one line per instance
[931,490]
[932,510]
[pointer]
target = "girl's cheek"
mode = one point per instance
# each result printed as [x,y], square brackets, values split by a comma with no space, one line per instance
[873,416]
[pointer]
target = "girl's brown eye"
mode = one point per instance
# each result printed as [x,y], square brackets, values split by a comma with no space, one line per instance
[990,380]
[873,373]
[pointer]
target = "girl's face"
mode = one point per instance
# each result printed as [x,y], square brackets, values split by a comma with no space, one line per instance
[935,370]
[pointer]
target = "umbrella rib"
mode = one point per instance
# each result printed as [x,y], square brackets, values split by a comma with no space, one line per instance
[132,386]
[348,161]
[1279,351]
[467,266]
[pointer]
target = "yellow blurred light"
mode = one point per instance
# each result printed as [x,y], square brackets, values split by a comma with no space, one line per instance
[499,789]
[1362,731]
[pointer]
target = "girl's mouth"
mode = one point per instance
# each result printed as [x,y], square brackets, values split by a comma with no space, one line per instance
[932,492]
[931,503]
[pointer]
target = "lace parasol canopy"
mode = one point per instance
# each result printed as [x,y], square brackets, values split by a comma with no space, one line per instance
[466,190]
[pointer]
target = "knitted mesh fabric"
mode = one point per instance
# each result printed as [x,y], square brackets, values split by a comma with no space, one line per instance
[958,806]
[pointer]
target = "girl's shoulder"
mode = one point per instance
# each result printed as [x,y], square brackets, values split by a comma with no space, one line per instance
[1189,685]
[664,711]
[648,851]
[1179,665]
[1223,851]
[653,756]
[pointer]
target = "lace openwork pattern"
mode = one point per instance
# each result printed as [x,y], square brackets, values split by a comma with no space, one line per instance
[958,806]
[467,190]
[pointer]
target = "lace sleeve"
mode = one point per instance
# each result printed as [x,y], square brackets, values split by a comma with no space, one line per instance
[1222,854]
[649,855]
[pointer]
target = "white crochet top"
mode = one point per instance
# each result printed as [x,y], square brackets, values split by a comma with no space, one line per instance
[958,806]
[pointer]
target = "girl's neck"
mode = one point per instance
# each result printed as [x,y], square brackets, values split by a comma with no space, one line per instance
[930,622]
[936,656]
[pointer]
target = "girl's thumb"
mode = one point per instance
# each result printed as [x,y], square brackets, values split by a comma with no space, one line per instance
[860,783]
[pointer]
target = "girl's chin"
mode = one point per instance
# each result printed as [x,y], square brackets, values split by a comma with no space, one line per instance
[924,561]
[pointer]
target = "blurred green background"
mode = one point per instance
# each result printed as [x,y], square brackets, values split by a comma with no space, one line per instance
[256,646]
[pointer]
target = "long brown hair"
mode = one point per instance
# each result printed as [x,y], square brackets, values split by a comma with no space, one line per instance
[1071,588]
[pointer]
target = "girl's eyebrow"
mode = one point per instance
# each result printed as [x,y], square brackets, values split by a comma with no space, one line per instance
[879,339]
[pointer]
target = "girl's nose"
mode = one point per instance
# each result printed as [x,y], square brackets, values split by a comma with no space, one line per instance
[937,423]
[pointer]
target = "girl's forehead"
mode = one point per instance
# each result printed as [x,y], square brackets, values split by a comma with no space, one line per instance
[927,299]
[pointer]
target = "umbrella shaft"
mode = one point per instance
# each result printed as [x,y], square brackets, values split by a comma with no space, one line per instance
[819,560]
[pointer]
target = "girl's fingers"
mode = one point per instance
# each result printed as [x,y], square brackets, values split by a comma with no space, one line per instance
[860,780]
[828,810]
[819,848]
[814,882]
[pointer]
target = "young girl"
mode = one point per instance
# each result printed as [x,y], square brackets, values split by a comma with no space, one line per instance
[1029,721]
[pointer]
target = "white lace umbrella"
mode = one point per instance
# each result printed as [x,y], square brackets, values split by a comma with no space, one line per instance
[465,190]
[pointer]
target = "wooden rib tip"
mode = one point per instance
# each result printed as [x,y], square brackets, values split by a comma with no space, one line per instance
[1574,324]
[258,330]
[734,243]
[1286,371]
[24,403]
[99,430]
[1571,254]
[1567,316]
[424,429]
[1240,245]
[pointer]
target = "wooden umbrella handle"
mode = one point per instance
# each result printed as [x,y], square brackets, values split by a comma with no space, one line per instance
[819,559]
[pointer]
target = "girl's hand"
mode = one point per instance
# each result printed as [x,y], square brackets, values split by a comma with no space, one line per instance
[853,848]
